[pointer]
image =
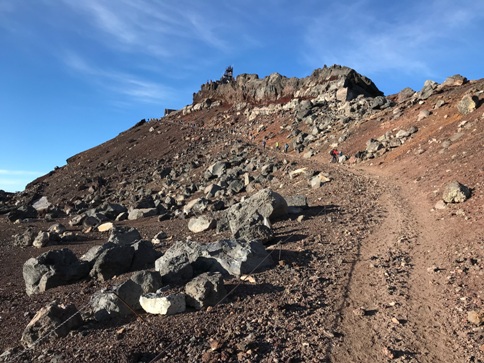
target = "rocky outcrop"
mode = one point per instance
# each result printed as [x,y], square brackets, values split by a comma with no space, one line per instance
[340,82]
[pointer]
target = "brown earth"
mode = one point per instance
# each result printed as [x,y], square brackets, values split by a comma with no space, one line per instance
[372,273]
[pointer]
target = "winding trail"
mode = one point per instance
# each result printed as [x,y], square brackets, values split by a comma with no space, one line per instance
[393,310]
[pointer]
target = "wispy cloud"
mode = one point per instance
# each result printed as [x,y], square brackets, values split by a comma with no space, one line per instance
[160,29]
[406,40]
[118,82]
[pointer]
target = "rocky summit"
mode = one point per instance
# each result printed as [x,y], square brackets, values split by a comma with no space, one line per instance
[272,220]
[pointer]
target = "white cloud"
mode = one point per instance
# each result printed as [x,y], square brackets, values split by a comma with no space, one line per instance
[357,35]
[119,82]
[160,29]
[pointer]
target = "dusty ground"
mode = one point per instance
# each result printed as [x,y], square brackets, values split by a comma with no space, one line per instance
[372,273]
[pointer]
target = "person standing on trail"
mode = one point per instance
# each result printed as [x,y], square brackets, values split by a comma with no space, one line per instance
[334,154]
[264,143]
[286,147]
[277,145]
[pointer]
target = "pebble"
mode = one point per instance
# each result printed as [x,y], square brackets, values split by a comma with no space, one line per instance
[474,317]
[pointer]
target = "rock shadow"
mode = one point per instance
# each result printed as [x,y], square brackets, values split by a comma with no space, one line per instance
[301,258]
[240,291]
[322,210]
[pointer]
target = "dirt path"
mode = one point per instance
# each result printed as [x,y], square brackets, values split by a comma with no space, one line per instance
[393,310]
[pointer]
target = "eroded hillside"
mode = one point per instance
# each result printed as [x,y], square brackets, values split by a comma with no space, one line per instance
[368,263]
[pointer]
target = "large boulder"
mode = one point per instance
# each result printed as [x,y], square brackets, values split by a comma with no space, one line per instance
[59,319]
[205,290]
[184,260]
[125,298]
[112,210]
[468,104]
[265,203]
[175,266]
[148,281]
[42,239]
[22,212]
[105,306]
[201,223]
[144,255]
[218,169]
[163,305]
[124,235]
[112,262]
[237,257]
[455,192]
[42,204]
[51,269]
[428,89]
[25,239]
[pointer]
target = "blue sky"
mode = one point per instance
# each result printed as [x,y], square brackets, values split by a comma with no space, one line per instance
[74,74]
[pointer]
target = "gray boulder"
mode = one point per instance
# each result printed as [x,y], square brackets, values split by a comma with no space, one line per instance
[184,260]
[105,306]
[372,146]
[124,235]
[22,212]
[318,180]
[42,204]
[144,255]
[24,239]
[468,104]
[57,228]
[112,262]
[405,95]
[266,203]
[54,317]
[236,257]
[428,89]
[145,202]
[205,290]
[236,186]
[175,266]
[195,206]
[257,232]
[148,281]
[94,252]
[112,210]
[129,292]
[142,213]
[159,237]
[51,269]
[42,239]
[456,192]
[218,169]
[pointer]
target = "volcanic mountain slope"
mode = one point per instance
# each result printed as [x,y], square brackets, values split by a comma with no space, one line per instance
[376,269]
